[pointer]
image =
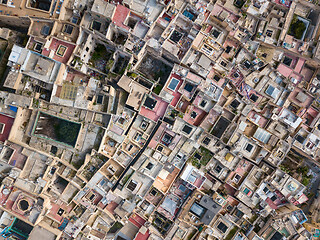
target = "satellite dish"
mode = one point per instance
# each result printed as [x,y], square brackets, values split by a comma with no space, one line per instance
[5,191]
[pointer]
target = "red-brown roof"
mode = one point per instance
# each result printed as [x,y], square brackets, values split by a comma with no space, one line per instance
[55,43]
[8,122]
[120,16]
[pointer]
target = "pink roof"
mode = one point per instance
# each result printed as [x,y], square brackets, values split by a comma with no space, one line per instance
[18,159]
[243,167]
[212,74]
[229,189]
[303,198]
[111,207]
[296,76]
[193,77]
[299,65]
[46,52]
[253,116]
[238,80]
[154,141]
[286,3]
[116,129]
[307,73]
[120,16]
[141,236]
[293,95]
[158,111]
[53,213]
[216,10]
[199,181]
[176,94]
[137,220]
[194,121]
[284,70]
[271,204]
[313,112]
[197,99]
[176,99]
[161,130]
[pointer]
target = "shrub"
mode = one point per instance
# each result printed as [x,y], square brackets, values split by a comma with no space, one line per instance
[297,28]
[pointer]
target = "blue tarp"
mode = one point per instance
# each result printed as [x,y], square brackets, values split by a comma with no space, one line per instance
[13,108]
[63,224]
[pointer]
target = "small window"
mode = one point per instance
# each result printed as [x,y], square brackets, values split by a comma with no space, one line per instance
[144,125]
[176,36]
[132,185]
[188,87]
[160,148]
[92,197]
[266,190]
[236,75]
[300,139]
[111,169]
[216,78]
[207,49]
[121,120]
[269,33]
[129,147]
[203,103]
[236,178]
[228,49]
[222,227]
[153,192]
[68,29]
[99,99]
[249,147]
[247,64]
[215,33]
[218,169]
[193,115]
[150,102]
[96,25]
[167,139]
[206,141]
[254,97]
[235,104]
[273,198]
[132,22]
[287,61]
[149,166]
[309,145]
[60,212]
[138,137]
[224,64]
[187,129]
[38,47]
[75,20]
